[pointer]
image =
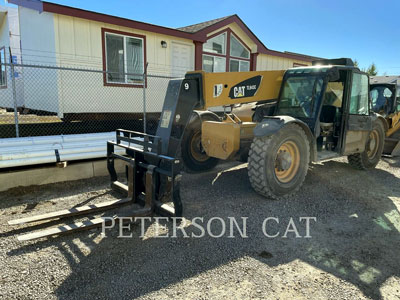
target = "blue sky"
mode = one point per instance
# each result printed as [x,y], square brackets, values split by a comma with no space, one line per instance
[366,30]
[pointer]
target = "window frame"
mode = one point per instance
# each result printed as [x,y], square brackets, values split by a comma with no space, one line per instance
[228,32]
[213,57]
[386,87]
[397,98]
[241,43]
[225,44]
[3,49]
[239,60]
[368,95]
[104,32]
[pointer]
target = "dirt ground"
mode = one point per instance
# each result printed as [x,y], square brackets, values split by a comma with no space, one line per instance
[353,252]
[9,118]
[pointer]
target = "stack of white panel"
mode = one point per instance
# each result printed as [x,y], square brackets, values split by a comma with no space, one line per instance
[26,151]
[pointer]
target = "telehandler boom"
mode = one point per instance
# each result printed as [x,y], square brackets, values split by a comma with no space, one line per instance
[302,115]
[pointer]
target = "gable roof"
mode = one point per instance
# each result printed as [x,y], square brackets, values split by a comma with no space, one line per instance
[197,32]
[200,26]
[212,25]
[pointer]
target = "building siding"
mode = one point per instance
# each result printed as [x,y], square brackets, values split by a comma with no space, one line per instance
[37,37]
[38,47]
[9,39]
[268,62]
[4,29]
[78,42]
[5,92]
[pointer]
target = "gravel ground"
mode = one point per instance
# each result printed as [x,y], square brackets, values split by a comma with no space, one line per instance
[353,252]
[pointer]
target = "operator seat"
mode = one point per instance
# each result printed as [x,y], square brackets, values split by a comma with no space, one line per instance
[327,119]
[381,101]
[328,113]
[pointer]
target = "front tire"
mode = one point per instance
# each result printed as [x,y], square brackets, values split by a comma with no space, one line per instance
[195,159]
[373,150]
[278,164]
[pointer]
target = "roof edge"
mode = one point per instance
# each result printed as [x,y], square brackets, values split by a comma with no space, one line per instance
[242,25]
[200,23]
[43,6]
[32,4]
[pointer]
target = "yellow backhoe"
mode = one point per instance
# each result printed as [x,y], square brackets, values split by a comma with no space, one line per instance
[385,97]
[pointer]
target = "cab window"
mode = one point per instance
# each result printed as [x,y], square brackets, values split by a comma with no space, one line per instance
[398,99]
[381,98]
[359,95]
[299,95]
[334,94]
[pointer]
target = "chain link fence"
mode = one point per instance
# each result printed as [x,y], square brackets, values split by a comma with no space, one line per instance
[42,100]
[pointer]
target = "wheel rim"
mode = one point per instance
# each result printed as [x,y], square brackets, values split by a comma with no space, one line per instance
[196,149]
[373,144]
[287,161]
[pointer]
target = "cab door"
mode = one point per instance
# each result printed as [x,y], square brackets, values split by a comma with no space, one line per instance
[357,120]
[395,116]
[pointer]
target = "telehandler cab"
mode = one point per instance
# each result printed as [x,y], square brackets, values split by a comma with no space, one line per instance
[303,115]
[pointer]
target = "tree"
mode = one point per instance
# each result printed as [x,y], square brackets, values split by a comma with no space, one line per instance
[372,70]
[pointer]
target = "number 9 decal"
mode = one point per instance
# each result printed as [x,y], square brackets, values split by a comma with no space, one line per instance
[186,86]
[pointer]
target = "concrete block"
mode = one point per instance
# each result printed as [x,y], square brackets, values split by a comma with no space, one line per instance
[52,174]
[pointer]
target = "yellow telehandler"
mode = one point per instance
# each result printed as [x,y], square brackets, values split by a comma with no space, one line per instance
[301,115]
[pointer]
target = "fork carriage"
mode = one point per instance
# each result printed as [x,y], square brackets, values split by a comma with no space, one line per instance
[151,177]
[152,168]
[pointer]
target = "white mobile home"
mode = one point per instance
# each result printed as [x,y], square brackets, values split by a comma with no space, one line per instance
[56,35]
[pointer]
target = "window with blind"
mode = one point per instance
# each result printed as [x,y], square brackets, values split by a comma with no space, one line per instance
[216,44]
[124,59]
[214,63]
[236,65]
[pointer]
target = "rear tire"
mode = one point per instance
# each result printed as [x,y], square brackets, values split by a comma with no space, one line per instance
[193,155]
[278,164]
[373,150]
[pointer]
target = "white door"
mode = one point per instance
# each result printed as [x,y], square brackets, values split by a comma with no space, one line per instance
[182,58]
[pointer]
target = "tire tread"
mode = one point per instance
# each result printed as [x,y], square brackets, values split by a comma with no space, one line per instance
[360,161]
[257,161]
